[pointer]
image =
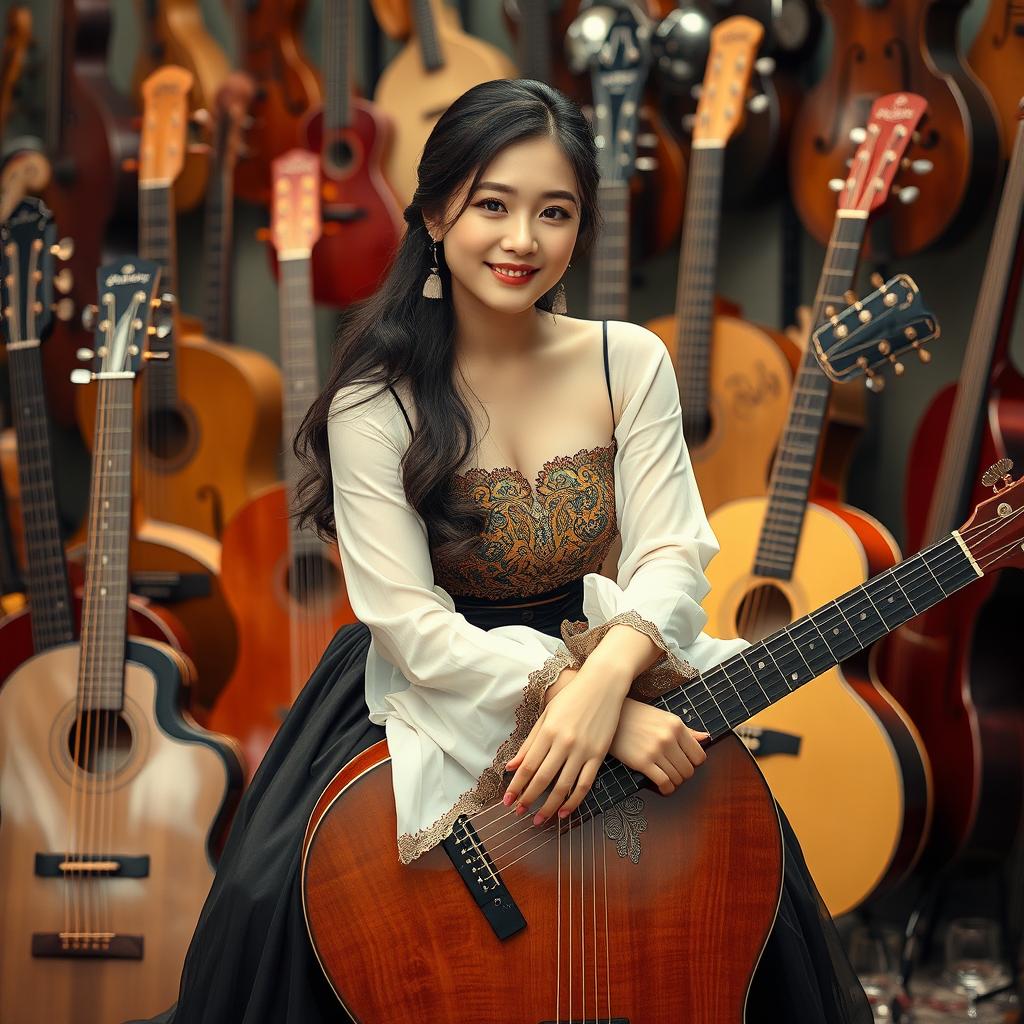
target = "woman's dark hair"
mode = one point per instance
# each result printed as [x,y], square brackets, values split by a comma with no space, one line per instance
[397,334]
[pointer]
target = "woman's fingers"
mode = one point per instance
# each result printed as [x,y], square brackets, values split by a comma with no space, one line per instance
[533,757]
[690,744]
[583,786]
[561,789]
[554,759]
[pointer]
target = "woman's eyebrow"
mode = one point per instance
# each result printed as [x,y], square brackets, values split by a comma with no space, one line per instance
[497,186]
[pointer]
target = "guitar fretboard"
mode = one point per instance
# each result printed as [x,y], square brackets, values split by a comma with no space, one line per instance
[48,591]
[695,289]
[158,242]
[534,40]
[729,694]
[426,32]
[798,452]
[336,64]
[609,267]
[218,226]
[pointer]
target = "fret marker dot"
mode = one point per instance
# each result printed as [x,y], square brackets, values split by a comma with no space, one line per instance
[890,600]
[760,664]
[793,676]
[811,645]
[863,615]
[835,632]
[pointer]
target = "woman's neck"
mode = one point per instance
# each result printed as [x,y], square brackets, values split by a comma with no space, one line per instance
[486,336]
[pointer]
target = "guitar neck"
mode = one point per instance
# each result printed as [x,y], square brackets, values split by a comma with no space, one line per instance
[794,465]
[48,590]
[728,695]
[337,65]
[959,456]
[609,267]
[695,288]
[426,31]
[534,40]
[105,608]
[218,227]
[158,242]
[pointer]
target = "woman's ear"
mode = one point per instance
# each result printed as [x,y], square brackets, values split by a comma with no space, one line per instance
[433,228]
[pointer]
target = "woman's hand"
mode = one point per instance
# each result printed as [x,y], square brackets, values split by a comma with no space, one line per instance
[568,743]
[658,744]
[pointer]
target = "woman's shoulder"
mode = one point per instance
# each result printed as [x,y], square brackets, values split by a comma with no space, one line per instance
[371,403]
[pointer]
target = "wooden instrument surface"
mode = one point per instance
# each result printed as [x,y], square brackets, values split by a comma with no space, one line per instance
[997,58]
[166,799]
[420,83]
[901,46]
[679,911]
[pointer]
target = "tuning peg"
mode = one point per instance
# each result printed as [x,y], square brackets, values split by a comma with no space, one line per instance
[908,194]
[850,295]
[198,149]
[858,135]
[757,104]
[130,165]
[84,354]
[64,309]
[81,376]
[877,281]
[689,120]
[874,382]
[897,366]
[89,314]
[837,184]
[200,116]
[64,249]
[765,65]
[997,473]
[697,90]
[161,331]
[923,354]
[922,166]
[166,301]
[155,355]
[64,280]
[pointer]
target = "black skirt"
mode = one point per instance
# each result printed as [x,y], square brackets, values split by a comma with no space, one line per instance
[250,959]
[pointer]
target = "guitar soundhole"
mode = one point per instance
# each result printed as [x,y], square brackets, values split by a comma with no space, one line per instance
[100,742]
[168,435]
[761,612]
[313,580]
[340,154]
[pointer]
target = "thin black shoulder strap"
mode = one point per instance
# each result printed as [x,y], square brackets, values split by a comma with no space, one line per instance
[402,407]
[607,374]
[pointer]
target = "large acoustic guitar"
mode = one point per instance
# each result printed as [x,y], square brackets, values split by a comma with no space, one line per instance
[111,800]
[997,58]
[637,907]
[899,46]
[950,667]
[733,377]
[284,584]
[783,554]
[53,615]
[436,66]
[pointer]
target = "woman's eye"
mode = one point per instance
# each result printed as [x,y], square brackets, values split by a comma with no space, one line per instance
[496,208]
[559,212]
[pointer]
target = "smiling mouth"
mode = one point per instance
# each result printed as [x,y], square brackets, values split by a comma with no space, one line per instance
[508,273]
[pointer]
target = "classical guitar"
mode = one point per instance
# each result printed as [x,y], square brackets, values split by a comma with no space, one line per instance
[436,66]
[997,58]
[733,377]
[783,554]
[287,87]
[900,46]
[949,668]
[636,908]
[173,32]
[53,614]
[362,219]
[110,799]
[90,140]
[284,585]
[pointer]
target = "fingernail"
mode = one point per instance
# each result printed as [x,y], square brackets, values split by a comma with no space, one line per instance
[564,813]
[538,818]
[520,810]
[507,799]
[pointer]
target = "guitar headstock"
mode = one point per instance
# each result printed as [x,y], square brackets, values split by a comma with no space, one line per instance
[231,117]
[613,43]
[123,319]
[295,207]
[723,96]
[165,125]
[890,130]
[874,332]
[27,276]
[994,534]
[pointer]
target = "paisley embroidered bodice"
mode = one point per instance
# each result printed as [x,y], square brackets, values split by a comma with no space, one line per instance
[539,537]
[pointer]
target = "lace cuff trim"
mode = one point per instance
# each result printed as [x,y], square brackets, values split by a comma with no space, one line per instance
[489,787]
[665,674]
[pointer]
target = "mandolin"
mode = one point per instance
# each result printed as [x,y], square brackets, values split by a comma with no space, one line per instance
[783,554]
[436,66]
[900,46]
[111,800]
[637,907]
[950,667]
[53,614]
[997,58]
[734,377]
[284,584]
[362,219]
[287,87]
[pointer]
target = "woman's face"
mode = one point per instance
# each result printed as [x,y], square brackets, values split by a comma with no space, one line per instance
[514,239]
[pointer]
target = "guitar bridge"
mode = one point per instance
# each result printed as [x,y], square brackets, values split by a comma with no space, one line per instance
[475,867]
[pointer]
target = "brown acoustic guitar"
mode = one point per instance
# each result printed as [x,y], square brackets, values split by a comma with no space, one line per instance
[783,554]
[637,907]
[997,58]
[734,377]
[17,39]
[284,584]
[111,799]
[899,46]
[173,32]
[436,66]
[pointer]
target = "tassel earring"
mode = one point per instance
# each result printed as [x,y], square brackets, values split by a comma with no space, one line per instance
[432,286]
[558,304]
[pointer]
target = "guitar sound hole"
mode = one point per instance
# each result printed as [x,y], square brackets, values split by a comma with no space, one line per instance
[100,742]
[312,580]
[168,434]
[340,154]
[762,611]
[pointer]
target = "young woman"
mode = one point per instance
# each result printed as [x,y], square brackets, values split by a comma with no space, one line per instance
[462,575]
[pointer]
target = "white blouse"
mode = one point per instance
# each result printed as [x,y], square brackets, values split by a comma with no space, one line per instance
[456,700]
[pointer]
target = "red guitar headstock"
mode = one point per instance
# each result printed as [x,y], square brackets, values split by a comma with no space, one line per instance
[995,533]
[295,210]
[891,126]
